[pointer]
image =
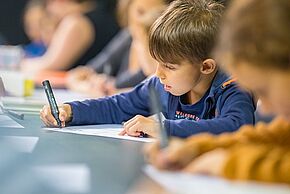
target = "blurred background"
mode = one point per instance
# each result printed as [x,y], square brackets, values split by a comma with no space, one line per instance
[11,25]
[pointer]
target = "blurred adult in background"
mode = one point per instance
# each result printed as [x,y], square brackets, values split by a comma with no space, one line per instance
[115,71]
[48,25]
[108,62]
[33,14]
[85,27]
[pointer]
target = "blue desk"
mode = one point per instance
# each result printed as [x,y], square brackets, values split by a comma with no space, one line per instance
[114,164]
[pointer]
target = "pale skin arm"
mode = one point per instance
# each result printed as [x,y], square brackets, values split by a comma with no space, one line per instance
[72,37]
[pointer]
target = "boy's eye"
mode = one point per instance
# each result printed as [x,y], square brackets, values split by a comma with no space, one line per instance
[169,67]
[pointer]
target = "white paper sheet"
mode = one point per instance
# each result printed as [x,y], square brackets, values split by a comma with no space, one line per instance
[178,182]
[7,122]
[98,130]
[24,144]
[65,178]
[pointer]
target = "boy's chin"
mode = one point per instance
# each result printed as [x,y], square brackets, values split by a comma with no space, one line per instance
[175,93]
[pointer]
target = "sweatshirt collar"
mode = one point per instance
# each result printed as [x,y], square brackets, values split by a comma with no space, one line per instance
[218,82]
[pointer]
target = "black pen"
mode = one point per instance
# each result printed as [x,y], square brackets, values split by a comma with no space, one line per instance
[51,101]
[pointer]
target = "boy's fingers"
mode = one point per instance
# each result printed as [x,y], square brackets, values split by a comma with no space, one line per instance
[46,116]
[130,123]
[46,122]
[134,130]
[49,120]
[123,132]
[62,115]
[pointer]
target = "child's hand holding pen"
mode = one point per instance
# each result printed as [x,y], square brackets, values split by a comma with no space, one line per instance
[53,115]
[139,125]
[65,115]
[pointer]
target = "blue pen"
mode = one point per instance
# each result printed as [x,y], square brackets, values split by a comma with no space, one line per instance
[51,101]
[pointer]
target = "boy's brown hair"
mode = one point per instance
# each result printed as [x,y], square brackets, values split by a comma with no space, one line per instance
[256,32]
[187,30]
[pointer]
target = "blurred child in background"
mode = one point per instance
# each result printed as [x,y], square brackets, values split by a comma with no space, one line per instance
[123,63]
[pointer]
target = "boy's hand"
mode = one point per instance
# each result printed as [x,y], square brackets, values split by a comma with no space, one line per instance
[138,124]
[176,156]
[65,115]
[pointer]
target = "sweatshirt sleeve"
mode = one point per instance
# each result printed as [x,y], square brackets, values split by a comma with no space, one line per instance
[114,109]
[235,108]
[262,162]
[258,153]
[276,133]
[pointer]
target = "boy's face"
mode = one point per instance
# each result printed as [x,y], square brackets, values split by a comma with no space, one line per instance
[271,86]
[178,79]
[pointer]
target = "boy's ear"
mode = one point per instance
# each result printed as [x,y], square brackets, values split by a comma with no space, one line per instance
[208,66]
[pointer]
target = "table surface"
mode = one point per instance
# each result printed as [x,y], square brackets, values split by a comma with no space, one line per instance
[114,164]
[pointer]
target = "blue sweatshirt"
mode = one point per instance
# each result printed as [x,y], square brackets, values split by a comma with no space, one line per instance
[224,108]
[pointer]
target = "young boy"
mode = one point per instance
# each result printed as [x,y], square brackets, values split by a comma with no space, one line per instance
[255,37]
[196,96]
